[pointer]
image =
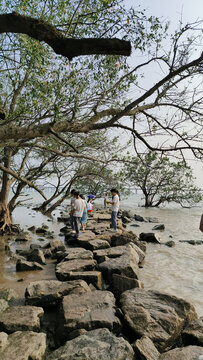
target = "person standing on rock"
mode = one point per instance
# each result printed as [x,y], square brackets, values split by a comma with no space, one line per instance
[72,201]
[77,212]
[83,220]
[115,207]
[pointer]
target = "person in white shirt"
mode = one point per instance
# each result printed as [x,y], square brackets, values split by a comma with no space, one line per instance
[115,207]
[77,212]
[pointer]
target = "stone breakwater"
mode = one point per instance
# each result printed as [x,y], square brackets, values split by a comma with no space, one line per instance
[96,308]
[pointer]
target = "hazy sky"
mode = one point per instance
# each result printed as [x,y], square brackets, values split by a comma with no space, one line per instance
[173,11]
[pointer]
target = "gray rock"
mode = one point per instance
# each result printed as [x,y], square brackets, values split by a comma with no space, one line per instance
[192,242]
[3,341]
[158,316]
[3,305]
[32,228]
[145,349]
[48,293]
[124,238]
[56,245]
[159,227]
[89,312]
[170,243]
[135,225]
[150,237]
[91,277]
[152,219]
[98,244]
[26,345]
[139,218]
[102,217]
[95,345]
[23,236]
[126,264]
[9,295]
[193,333]
[185,353]
[78,253]
[23,265]
[21,318]
[36,255]
[122,283]
[64,269]
[41,230]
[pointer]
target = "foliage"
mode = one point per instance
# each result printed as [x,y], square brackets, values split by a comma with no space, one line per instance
[162,180]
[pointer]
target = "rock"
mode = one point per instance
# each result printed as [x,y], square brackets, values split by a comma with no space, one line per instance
[139,218]
[145,349]
[185,353]
[124,238]
[122,283]
[192,242]
[32,228]
[158,316]
[82,241]
[98,244]
[102,217]
[150,237]
[159,227]
[78,253]
[91,277]
[89,311]
[9,295]
[127,213]
[98,228]
[56,245]
[3,341]
[37,255]
[193,333]
[64,269]
[135,225]
[125,219]
[95,345]
[114,252]
[21,318]
[41,230]
[3,305]
[25,345]
[170,243]
[47,293]
[23,236]
[126,264]
[152,219]
[23,265]
[65,230]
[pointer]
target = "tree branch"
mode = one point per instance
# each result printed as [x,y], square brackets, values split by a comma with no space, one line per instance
[43,31]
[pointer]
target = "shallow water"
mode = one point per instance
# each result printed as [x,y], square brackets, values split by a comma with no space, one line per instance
[177,270]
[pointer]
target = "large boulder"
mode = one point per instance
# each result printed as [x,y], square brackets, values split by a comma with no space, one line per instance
[193,333]
[114,252]
[98,244]
[9,295]
[21,318]
[23,345]
[47,293]
[78,253]
[36,255]
[126,264]
[121,283]
[89,311]
[95,345]
[64,269]
[82,241]
[102,217]
[150,237]
[185,353]
[90,277]
[3,305]
[145,349]
[161,317]
[22,265]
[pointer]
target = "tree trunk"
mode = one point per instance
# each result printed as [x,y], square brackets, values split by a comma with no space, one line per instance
[148,202]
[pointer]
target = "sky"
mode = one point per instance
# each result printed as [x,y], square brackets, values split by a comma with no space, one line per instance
[174,11]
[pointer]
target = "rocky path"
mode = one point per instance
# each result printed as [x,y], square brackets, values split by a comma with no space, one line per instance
[97,308]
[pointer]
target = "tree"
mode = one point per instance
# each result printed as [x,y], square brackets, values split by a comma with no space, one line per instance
[161,180]
[45,97]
